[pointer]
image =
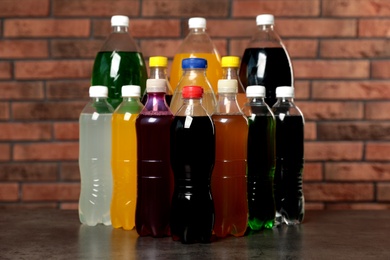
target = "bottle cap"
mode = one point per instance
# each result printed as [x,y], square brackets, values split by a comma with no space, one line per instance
[158,61]
[227,86]
[230,61]
[98,91]
[192,92]
[255,91]
[156,85]
[284,91]
[197,22]
[194,63]
[119,20]
[264,19]
[131,91]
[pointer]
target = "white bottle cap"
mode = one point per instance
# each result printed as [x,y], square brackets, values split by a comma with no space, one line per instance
[131,91]
[255,91]
[98,91]
[285,91]
[197,22]
[119,20]
[227,86]
[264,19]
[156,85]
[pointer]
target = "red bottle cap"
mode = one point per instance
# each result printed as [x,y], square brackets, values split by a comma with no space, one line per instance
[192,92]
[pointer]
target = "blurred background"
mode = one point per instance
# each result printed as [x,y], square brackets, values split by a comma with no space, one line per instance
[340,51]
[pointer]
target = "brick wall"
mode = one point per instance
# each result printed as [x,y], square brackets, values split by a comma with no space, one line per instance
[341,56]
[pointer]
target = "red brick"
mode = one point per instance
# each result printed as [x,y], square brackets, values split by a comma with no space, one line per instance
[16,49]
[251,8]
[13,90]
[46,151]
[297,48]
[314,206]
[310,131]
[166,48]
[360,8]
[378,151]
[11,8]
[339,191]
[314,110]
[53,69]
[47,110]
[380,69]
[5,70]
[29,205]
[75,48]
[4,111]
[302,89]
[357,171]
[383,191]
[358,206]
[5,152]
[312,172]
[68,89]
[333,151]
[377,110]
[66,131]
[28,172]
[372,130]
[70,171]
[47,28]
[355,49]
[50,192]
[349,90]
[185,8]
[69,206]
[25,131]
[95,7]
[382,28]
[140,28]
[9,191]
[331,69]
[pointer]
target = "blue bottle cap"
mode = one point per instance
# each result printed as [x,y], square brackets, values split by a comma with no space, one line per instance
[194,63]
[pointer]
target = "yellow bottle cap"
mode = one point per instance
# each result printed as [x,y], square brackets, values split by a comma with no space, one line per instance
[158,61]
[230,61]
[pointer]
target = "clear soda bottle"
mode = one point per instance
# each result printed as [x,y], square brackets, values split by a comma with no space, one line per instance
[265,60]
[124,158]
[158,70]
[194,74]
[290,123]
[260,159]
[197,44]
[155,178]
[119,62]
[192,131]
[228,182]
[230,65]
[95,158]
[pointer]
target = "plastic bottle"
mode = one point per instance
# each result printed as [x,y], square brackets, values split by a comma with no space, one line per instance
[194,75]
[192,131]
[230,65]
[290,123]
[158,70]
[119,62]
[197,44]
[228,182]
[95,158]
[124,158]
[260,159]
[265,61]
[155,179]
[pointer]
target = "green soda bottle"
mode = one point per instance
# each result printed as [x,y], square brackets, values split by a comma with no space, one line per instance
[119,62]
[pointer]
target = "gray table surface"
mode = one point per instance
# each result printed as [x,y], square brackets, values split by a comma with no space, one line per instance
[55,234]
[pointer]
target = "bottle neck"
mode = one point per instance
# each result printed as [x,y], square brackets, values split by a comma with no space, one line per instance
[156,102]
[98,99]
[229,73]
[266,27]
[131,99]
[257,100]
[197,30]
[227,104]
[192,107]
[119,29]
[158,73]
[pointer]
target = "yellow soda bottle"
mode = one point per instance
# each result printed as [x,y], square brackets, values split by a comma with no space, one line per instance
[124,158]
